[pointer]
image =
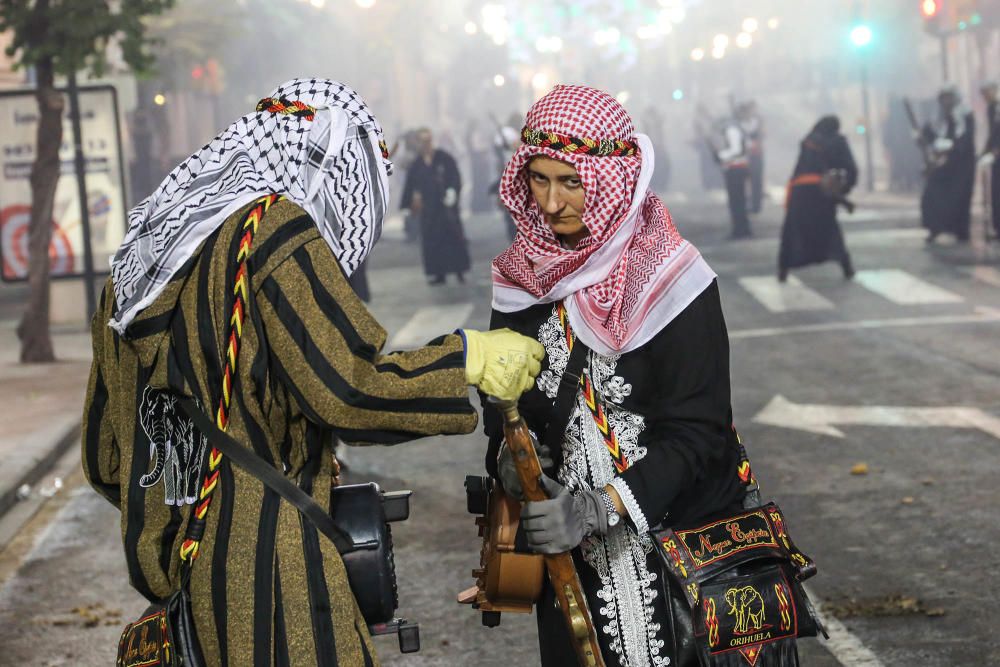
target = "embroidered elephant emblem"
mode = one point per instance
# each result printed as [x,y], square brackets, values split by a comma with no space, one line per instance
[747,606]
[176,448]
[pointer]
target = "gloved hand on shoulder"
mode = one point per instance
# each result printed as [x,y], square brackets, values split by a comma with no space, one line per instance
[560,523]
[501,363]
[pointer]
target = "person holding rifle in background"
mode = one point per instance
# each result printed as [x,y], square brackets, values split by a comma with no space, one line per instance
[946,203]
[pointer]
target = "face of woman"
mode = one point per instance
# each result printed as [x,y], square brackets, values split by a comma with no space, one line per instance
[556,187]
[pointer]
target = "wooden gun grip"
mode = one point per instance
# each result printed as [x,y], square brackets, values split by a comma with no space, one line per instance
[561,568]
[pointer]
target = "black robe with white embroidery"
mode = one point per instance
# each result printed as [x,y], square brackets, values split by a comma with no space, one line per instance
[669,405]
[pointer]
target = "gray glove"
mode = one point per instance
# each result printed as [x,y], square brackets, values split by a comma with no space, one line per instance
[560,524]
[508,471]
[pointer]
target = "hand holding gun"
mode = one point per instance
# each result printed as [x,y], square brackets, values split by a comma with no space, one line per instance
[561,569]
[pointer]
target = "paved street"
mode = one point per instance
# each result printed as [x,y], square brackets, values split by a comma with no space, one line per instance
[869,409]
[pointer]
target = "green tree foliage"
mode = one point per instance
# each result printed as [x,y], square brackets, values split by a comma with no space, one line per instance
[60,37]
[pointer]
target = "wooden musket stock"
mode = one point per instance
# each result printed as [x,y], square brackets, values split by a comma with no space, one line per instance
[562,571]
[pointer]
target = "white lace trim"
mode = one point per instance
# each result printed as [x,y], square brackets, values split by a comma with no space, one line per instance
[550,335]
[628,587]
[628,500]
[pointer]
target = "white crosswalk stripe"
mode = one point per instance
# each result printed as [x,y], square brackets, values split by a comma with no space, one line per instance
[784,297]
[430,322]
[904,288]
[985,274]
[879,214]
[902,236]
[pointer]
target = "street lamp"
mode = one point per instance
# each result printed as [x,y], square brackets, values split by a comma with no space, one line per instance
[861,37]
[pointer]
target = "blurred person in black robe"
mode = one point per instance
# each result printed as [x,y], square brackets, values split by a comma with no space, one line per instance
[946,204]
[824,174]
[991,151]
[433,185]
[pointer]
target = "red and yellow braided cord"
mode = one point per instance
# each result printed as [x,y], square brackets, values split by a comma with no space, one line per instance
[565,143]
[241,294]
[593,402]
[287,107]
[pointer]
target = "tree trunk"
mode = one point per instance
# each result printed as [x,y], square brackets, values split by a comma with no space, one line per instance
[36,343]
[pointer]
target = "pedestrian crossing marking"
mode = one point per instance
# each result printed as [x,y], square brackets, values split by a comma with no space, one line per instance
[784,297]
[430,322]
[904,288]
[880,214]
[885,237]
[985,274]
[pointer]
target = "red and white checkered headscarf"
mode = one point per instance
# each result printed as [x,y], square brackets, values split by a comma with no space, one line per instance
[634,273]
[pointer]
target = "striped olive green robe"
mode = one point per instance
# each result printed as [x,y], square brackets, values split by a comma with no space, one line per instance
[267,588]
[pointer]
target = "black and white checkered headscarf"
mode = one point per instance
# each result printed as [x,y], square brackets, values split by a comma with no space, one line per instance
[331,166]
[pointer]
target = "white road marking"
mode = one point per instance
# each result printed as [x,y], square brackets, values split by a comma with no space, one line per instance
[878,214]
[983,315]
[429,322]
[904,288]
[844,646]
[885,237]
[821,418]
[985,274]
[783,297]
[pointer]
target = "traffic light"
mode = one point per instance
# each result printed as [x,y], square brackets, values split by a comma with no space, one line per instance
[931,11]
[948,17]
[207,77]
[861,35]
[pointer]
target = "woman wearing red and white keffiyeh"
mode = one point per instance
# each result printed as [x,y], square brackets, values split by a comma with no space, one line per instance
[597,261]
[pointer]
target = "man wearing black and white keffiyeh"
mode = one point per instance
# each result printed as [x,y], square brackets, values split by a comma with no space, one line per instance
[231,288]
[331,166]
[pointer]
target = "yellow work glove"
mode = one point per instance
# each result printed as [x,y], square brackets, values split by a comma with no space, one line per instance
[502,363]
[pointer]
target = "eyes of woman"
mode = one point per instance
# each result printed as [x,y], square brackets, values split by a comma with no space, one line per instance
[570,183]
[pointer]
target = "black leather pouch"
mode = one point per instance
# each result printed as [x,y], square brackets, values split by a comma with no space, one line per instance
[741,578]
[163,636]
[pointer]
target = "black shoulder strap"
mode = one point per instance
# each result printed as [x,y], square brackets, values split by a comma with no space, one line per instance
[569,385]
[267,474]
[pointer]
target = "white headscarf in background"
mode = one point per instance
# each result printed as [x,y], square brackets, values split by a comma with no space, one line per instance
[331,162]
